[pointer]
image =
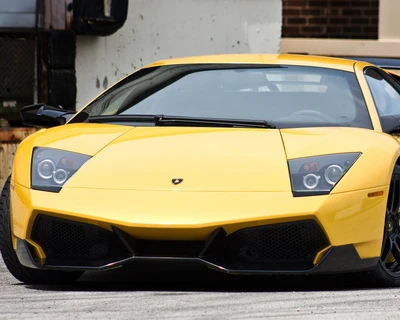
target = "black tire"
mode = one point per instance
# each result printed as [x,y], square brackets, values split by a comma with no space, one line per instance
[22,273]
[387,271]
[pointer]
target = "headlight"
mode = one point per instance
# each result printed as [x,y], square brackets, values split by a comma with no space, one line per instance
[51,168]
[318,175]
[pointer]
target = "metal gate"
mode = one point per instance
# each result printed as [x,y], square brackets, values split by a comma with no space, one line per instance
[17,78]
[17,89]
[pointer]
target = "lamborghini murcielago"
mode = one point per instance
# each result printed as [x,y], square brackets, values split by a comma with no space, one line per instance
[245,164]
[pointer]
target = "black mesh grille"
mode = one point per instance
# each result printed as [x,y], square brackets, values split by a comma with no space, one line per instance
[72,243]
[279,246]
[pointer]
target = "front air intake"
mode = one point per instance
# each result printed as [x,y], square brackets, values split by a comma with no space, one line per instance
[283,246]
[67,242]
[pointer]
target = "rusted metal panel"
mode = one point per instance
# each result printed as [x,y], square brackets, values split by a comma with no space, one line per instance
[7,152]
[14,135]
[9,141]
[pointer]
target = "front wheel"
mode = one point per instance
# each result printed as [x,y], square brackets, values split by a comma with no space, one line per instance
[387,271]
[22,273]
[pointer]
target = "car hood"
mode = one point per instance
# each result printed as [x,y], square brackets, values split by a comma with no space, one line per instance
[308,142]
[88,138]
[206,159]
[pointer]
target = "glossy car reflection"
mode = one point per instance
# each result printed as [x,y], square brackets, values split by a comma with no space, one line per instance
[246,164]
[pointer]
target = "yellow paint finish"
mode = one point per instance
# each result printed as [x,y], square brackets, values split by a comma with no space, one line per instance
[373,168]
[207,159]
[21,209]
[352,215]
[321,254]
[38,252]
[81,138]
[283,59]
[369,249]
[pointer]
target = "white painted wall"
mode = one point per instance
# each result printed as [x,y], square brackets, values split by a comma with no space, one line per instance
[160,29]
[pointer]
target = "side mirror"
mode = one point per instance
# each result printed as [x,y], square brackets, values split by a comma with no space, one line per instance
[43,115]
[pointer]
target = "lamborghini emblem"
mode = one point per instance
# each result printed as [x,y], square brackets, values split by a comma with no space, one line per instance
[177,181]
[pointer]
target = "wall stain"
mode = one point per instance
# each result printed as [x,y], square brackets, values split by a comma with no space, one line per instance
[105,83]
[97,83]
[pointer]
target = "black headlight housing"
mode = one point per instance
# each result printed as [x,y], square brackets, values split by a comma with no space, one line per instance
[51,168]
[318,175]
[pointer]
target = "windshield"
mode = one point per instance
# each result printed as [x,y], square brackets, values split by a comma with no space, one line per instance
[286,96]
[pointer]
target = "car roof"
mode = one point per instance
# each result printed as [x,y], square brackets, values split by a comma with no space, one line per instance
[385,63]
[280,59]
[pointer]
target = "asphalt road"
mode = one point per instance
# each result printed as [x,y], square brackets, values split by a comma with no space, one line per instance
[122,294]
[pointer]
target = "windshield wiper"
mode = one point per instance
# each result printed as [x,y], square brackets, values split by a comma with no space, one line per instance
[162,120]
[211,122]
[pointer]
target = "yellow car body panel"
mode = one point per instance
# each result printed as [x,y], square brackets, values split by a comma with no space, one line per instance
[284,59]
[186,215]
[86,139]
[233,178]
[375,148]
[131,193]
[208,159]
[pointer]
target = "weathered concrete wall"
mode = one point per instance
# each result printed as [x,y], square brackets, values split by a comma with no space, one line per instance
[159,29]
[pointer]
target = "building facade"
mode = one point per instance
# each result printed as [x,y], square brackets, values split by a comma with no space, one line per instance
[65,52]
[369,28]
[339,19]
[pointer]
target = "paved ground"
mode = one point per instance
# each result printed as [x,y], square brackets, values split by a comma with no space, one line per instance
[122,295]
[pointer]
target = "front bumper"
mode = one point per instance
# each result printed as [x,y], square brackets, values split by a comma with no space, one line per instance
[257,250]
[352,224]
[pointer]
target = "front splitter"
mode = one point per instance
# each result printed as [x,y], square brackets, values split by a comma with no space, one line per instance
[338,259]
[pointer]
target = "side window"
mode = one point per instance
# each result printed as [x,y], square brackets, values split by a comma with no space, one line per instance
[395,74]
[386,95]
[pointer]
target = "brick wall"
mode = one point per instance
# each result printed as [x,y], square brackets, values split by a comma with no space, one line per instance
[345,19]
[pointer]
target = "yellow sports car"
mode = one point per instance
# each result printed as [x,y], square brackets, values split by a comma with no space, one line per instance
[246,164]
